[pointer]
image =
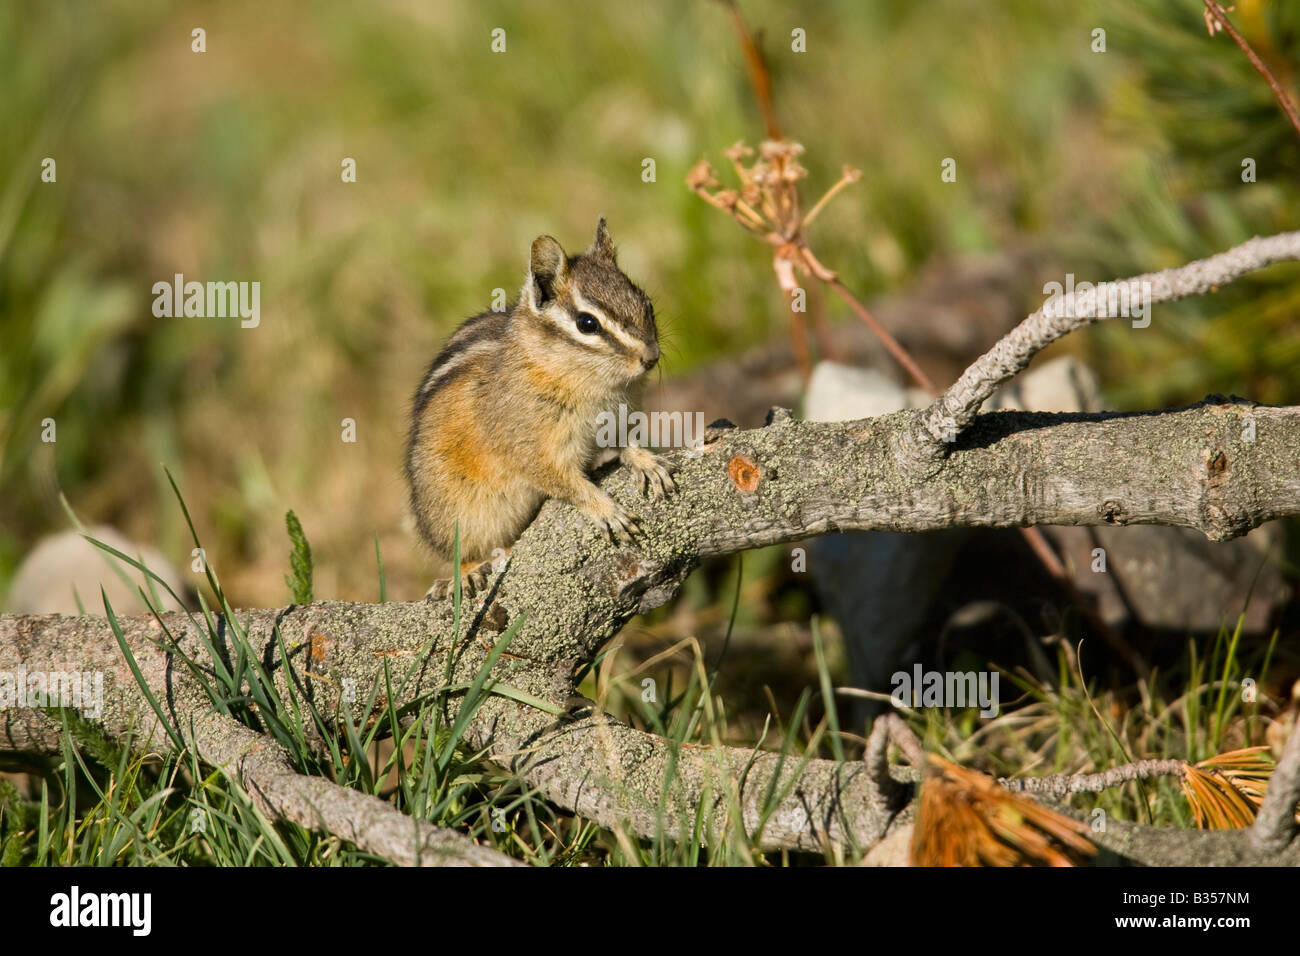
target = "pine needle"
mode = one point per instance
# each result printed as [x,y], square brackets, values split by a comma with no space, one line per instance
[1225,792]
[967,819]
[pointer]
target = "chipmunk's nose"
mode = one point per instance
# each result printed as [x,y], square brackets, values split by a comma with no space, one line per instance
[651,358]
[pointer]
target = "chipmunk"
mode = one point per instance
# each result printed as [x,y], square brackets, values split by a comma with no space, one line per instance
[506,415]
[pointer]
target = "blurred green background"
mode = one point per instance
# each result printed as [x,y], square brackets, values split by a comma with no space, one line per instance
[225,165]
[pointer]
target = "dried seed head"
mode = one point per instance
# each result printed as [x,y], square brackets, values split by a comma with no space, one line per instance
[773,149]
[737,151]
[793,172]
[701,176]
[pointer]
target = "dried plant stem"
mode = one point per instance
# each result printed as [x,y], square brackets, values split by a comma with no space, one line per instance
[827,347]
[1284,101]
[847,178]
[799,344]
[759,76]
[897,351]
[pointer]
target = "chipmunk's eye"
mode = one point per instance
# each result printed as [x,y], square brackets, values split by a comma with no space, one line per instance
[588,323]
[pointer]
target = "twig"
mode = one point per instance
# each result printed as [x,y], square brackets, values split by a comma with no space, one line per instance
[957,407]
[1058,785]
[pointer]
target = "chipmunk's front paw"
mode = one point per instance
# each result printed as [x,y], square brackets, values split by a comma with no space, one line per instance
[619,524]
[656,473]
[623,527]
[658,478]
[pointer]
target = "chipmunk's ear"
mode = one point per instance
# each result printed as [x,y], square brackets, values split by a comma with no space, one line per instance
[547,267]
[602,247]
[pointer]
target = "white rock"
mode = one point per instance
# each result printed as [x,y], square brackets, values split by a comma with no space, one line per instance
[64,566]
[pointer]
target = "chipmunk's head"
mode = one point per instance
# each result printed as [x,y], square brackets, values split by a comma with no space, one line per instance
[592,315]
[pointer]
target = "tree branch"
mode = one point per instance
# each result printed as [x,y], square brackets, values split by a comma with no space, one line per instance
[608,772]
[264,770]
[1274,826]
[957,407]
[1058,785]
[1222,466]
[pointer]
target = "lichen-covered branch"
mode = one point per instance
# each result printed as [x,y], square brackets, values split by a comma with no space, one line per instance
[608,772]
[1058,785]
[52,643]
[263,769]
[1221,466]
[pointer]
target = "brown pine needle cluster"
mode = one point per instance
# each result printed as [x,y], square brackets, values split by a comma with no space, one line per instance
[967,819]
[1225,792]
